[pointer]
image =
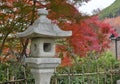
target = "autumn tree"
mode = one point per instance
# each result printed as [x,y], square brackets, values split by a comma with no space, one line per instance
[15,16]
[89,34]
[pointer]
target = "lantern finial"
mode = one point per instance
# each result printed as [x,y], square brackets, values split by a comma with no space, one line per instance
[42,11]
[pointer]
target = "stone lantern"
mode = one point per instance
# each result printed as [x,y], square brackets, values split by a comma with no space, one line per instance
[42,59]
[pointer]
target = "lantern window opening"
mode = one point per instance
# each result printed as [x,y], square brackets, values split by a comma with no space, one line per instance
[47,47]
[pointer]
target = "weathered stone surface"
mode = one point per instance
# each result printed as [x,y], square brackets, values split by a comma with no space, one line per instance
[43,27]
[43,68]
[42,47]
[42,76]
[40,63]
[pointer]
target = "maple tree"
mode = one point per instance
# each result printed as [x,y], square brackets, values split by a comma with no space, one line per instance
[88,35]
[15,16]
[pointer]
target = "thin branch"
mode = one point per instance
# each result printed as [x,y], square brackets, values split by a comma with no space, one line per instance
[3,42]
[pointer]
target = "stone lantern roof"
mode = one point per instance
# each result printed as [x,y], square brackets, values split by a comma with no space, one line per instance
[43,27]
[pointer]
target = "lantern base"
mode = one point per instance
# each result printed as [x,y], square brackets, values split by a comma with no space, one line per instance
[42,68]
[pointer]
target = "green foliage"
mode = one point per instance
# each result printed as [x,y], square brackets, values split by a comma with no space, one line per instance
[94,69]
[16,70]
[111,11]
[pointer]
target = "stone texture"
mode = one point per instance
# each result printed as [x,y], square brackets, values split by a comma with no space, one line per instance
[42,76]
[42,47]
[43,27]
[43,68]
[41,63]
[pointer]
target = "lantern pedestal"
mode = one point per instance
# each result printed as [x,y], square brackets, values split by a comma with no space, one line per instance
[43,68]
[42,76]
